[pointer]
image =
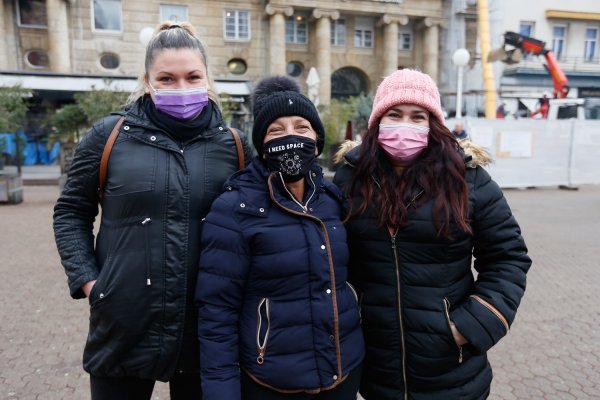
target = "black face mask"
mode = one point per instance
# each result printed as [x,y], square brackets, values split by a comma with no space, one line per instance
[292,155]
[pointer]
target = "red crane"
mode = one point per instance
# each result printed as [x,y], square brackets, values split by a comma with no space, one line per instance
[528,45]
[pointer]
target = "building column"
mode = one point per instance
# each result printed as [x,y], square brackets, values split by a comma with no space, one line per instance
[3,49]
[59,52]
[390,41]
[323,34]
[431,48]
[278,64]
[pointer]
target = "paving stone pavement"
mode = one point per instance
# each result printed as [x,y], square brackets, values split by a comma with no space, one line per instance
[552,351]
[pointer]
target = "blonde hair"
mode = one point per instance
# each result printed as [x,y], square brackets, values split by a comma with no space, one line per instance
[172,35]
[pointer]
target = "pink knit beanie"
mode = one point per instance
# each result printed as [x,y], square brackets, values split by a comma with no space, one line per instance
[406,86]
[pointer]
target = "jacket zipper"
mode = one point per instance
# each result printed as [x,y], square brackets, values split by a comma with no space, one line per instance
[447,312]
[397,264]
[262,347]
[336,323]
[145,223]
[304,207]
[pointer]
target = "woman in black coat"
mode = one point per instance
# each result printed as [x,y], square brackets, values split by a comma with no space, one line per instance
[421,212]
[171,156]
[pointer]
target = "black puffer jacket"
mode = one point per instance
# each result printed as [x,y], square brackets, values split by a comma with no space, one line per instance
[412,285]
[148,245]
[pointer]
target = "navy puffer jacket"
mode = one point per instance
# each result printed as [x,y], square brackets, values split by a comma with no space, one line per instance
[413,284]
[272,292]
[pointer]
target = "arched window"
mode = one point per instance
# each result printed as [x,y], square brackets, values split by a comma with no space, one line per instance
[348,81]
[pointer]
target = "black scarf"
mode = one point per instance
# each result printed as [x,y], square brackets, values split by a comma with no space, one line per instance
[179,129]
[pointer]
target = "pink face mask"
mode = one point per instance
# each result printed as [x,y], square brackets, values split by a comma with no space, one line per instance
[403,142]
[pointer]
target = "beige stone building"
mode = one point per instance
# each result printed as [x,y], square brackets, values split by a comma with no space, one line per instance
[59,47]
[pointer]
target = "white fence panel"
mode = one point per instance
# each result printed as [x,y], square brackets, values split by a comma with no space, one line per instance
[585,165]
[530,152]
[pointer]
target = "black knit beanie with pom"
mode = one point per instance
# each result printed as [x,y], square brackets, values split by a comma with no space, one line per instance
[279,96]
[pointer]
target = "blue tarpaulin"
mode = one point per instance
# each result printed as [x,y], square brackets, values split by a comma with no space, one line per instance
[32,153]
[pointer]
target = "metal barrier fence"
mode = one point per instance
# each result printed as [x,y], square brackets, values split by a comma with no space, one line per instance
[531,152]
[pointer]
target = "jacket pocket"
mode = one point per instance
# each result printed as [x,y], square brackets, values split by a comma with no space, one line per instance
[353,290]
[129,175]
[146,225]
[97,293]
[447,312]
[263,328]
[493,310]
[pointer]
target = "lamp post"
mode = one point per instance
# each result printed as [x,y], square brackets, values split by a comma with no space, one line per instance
[460,58]
[145,35]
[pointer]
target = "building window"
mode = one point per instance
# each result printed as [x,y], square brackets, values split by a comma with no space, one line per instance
[173,12]
[591,43]
[237,25]
[338,32]
[37,58]
[526,28]
[363,32]
[237,66]
[110,61]
[558,41]
[107,15]
[32,13]
[405,40]
[294,68]
[296,29]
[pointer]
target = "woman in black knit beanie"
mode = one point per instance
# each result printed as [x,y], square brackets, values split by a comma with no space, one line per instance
[277,319]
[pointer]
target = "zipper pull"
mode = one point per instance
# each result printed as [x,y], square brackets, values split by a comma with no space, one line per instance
[145,221]
[460,355]
[261,357]
[393,239]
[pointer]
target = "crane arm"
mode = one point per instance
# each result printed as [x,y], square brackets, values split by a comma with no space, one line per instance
[537,47]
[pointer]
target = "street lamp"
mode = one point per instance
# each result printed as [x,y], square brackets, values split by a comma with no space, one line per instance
[460,58]
[145,35]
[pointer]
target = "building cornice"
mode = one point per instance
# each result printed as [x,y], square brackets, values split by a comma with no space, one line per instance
[577,15]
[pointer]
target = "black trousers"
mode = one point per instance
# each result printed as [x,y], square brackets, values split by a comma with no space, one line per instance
[181,387]
[346,390]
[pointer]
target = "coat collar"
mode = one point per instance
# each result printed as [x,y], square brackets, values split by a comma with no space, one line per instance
[260,188]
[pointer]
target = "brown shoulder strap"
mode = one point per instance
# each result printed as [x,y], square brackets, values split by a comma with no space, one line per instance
[239,148]
[105,155]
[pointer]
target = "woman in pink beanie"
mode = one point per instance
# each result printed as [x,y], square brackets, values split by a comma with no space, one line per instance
[422,210]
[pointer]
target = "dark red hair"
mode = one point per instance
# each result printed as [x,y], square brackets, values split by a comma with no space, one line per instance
[437,174]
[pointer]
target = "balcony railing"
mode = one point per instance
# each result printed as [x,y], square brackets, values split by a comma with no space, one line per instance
[568,64]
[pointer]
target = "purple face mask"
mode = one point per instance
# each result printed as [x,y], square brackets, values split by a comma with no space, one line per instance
[181,103]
